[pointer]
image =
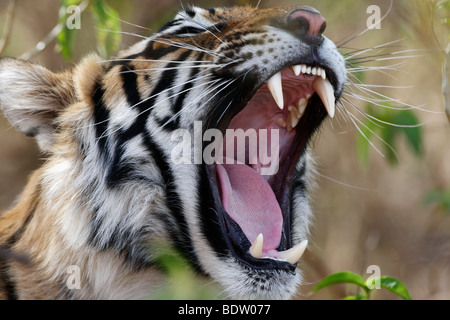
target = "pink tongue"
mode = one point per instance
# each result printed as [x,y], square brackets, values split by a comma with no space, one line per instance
[250,202]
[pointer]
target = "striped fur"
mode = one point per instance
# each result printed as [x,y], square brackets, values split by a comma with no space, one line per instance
[109,190]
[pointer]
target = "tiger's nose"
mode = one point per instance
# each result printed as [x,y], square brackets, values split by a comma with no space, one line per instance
[307,23]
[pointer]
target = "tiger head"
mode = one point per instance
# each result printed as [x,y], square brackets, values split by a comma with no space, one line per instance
[144,148]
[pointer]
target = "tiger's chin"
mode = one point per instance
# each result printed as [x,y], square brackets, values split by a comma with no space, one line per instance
[262,219]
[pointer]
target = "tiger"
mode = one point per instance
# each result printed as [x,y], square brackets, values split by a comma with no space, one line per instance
[111,191]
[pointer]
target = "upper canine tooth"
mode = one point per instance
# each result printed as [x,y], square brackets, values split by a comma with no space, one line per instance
[257,246]
[325,91]
[294,254]
[297,70]
[276,89]
[324,74]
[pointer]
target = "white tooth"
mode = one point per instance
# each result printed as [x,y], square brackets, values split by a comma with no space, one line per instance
[281,122]
[294,254]
[297,69]
[324,74]
[325,91]
[308,70]
[294,117]
[314,71]
[319,72]
[302,105]
[257,246]
[304,68]
[276,88]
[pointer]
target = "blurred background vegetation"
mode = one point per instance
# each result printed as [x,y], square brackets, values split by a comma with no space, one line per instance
[383,191]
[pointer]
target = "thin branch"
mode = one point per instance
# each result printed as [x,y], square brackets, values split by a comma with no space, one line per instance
[446,83]
[8,26]
[41,45]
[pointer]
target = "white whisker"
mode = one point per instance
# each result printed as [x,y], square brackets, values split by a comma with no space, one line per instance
[153,96]
[153,60]
[206,29]
[193,66]
[380,46]
[210,89]
[353,118]
[123,32]
[343,183]
[126,22]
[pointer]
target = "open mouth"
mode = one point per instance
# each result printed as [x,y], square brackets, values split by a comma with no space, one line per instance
[252,196]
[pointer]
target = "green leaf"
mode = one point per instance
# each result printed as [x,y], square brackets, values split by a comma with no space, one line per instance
[357,297]
[342,277]
[389,124]
[443,4]
[388,134]
[108,27]
[413,133]
[395,286]
[439,197]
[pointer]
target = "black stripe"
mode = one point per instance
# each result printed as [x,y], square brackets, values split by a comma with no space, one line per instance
[171,123]
[8,284]
[161,51]
[18,234]
[190,12]
[5,276]
[119,173]
[166,80]
[170,24]
[179,102]
[189,30]
[129,84]
[101,117]
[181,233]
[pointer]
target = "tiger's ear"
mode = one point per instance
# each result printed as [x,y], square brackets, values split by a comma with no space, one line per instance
[32,97]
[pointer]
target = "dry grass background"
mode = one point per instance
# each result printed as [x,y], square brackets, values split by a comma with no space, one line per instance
[364,216]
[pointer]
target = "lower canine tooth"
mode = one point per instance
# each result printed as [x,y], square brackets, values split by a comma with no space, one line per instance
[257,246]
[294,254]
